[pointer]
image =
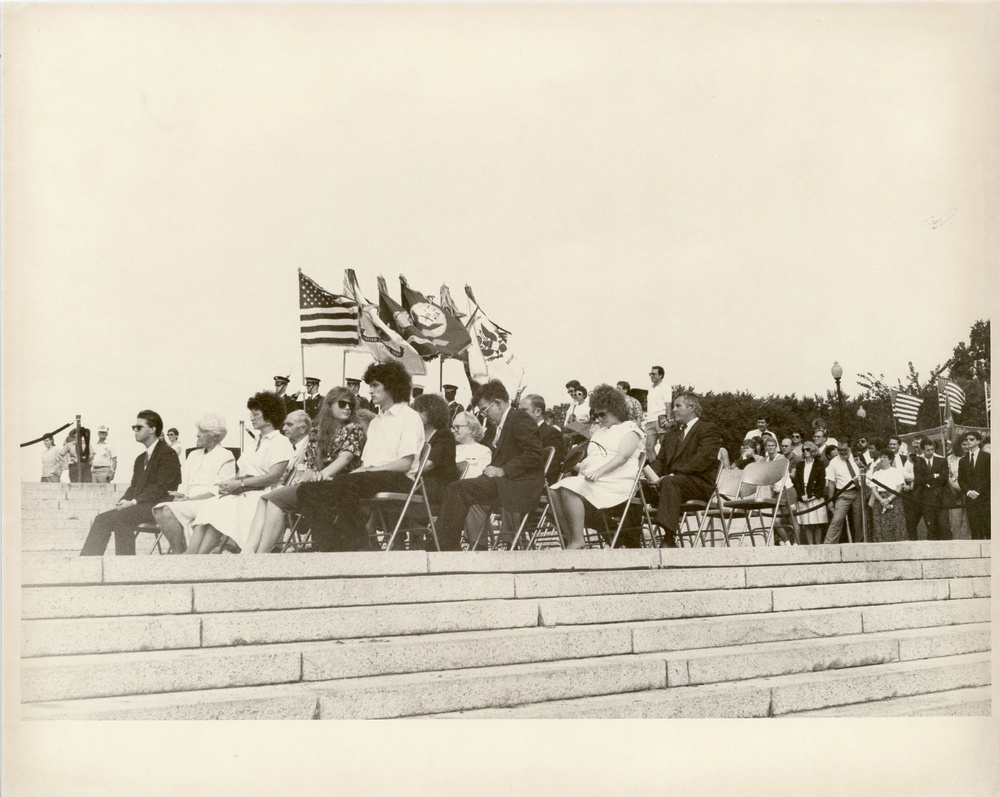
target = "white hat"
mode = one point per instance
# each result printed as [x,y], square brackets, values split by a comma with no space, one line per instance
[102,429]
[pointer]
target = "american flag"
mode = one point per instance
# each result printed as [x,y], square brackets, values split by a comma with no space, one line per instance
[950,393]
[905,407]
[327,319]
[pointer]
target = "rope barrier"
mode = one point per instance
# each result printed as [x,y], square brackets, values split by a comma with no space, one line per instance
[51,434]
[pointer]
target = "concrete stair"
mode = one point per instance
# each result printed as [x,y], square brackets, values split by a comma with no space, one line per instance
[856,630]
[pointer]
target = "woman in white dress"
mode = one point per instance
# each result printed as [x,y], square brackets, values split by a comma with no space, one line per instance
[468,432]
[606,475]
[231,512]
[204,468]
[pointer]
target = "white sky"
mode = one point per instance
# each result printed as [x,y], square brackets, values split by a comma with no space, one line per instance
[743,194]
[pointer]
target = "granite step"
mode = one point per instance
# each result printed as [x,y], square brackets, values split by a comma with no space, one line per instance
[973,701]
[766,697]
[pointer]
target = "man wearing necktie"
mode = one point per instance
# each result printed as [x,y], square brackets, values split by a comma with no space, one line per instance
[513,480]
[974,482]
[930,479]
[155,473]
[841,475]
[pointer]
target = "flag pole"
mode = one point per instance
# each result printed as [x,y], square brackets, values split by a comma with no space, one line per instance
[343,369]
[441,374]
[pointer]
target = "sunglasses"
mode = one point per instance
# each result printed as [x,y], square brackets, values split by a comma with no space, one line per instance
[344,404]
[137,428]
[598,416]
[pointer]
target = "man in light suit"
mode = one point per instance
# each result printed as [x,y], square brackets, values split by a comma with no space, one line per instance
[155,473]
[513,480]
[974,482]
[687,464]
[930,480]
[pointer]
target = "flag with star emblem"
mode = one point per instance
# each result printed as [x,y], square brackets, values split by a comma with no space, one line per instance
[326,319]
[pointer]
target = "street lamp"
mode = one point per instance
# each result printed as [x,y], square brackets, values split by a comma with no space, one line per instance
[836,372]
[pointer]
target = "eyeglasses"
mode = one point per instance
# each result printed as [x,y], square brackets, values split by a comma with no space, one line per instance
[796,437]
[137,428]
[344,404]
[456,426]
[598,416]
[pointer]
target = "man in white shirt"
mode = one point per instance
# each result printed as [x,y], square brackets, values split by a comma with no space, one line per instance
[657,410]
[52,460]
[841,474]
[388,463]
[103,461]
[761,431]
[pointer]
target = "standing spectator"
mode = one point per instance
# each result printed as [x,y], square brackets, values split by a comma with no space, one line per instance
[930,480]
[974,482]
[174,442]
[288,402]
[761,431]
[77,462]
[104,461]
[809,482]
[841,475]
[953,504]
[788,452]
[822,442]
[657,410]
[450,391]
[797,445]
[312,400]
[354,385]
[52,460]
[579,408]
[155,473]
[888,518]
[635,411]
[750,451]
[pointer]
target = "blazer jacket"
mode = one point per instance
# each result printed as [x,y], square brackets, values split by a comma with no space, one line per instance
[151,485]
[929,483]
[977,478]
[445,471]
[696,456]
[816,487]
[553,437]
[519,453]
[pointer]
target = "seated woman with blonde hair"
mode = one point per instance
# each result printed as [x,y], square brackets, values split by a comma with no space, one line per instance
[468,433]
[337,449]
[203,470]
[606,475]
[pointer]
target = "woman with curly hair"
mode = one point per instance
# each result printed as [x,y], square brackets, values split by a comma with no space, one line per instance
[231,512]
[337,449]
[606,475]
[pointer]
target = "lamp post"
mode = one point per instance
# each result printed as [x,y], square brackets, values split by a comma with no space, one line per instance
[836,372]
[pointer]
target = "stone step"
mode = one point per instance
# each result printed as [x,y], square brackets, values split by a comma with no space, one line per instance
[122,634]
[286,702]
[72,677]
[105,675]
[68,522]
[587,609]
[764,697]
[58,541]
[973,701]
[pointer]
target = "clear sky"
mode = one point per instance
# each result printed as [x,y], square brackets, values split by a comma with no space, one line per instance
[743,194]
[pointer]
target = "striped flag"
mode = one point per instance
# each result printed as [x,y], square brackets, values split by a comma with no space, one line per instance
[326,319]
[986,391]
[950,393]
[905,407]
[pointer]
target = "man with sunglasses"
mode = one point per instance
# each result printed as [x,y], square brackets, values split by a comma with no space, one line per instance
[155,473]
[657,410]
[513,480]
[974,482]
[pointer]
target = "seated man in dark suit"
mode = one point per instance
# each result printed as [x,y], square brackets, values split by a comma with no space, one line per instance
[930,480]
[512,482]
[155,473]
[974,481]
[687,464]
[534,405]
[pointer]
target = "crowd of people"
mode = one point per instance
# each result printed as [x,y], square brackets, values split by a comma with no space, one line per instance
[326,457]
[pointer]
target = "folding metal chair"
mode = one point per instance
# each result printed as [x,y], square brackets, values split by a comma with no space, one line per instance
[763,506]
[693,511]
[493,530]
[415,499]
[150,528]
[298,536]
[728,488]
[636,504]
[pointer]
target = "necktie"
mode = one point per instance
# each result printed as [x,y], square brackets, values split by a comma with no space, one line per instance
[972,459]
